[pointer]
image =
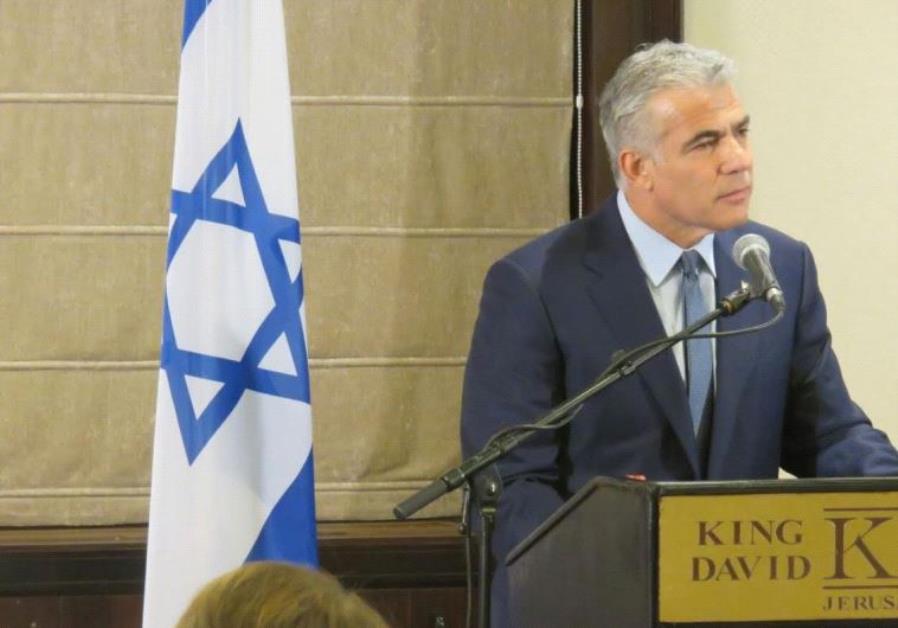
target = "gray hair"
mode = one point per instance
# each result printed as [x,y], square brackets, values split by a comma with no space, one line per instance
[652,68]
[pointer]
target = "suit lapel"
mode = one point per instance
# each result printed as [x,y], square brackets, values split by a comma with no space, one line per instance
[735,355]
[617,287]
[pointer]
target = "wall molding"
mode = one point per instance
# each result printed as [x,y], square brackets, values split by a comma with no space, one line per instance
[310,231]
[90,98]
[147,365]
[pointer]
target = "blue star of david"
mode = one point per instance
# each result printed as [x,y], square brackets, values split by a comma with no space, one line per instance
[238,376]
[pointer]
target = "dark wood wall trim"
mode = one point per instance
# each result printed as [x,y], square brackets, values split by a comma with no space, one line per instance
[611,31]
[112,559]
[412,572]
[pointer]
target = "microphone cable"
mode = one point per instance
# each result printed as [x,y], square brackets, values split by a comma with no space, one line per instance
[622,363]
[620,359]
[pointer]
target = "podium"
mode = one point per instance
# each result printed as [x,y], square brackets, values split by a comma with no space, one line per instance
[747,553]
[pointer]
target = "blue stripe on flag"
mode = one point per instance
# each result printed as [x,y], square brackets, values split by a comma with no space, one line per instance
[193,11]
[289,532]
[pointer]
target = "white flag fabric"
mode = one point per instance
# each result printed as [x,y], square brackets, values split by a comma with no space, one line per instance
[232,464]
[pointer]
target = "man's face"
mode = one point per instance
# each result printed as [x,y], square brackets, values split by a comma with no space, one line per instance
[699,177]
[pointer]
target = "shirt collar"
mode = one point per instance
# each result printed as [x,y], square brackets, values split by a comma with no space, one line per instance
[658,255]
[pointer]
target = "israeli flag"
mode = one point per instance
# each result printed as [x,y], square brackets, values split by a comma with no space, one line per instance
[232,466]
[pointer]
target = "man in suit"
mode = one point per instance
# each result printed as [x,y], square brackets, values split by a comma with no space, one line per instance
[554,311]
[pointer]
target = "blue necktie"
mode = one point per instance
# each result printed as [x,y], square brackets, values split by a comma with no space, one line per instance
[698,351]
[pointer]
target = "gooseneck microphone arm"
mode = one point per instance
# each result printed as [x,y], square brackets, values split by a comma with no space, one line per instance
[506,440]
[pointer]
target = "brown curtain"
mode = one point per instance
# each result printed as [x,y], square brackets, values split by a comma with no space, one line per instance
[432,137]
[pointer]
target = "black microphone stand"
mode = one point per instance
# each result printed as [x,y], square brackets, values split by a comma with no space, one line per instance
[500,445]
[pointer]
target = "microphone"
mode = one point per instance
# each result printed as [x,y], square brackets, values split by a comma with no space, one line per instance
[752,253]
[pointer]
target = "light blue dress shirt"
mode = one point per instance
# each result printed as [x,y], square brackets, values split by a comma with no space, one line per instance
[658,258]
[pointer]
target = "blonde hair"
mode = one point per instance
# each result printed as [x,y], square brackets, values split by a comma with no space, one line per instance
[278,595]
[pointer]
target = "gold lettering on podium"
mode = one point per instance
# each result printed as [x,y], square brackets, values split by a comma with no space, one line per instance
[778,557]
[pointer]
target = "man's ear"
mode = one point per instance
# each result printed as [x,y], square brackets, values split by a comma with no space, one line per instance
[636,169]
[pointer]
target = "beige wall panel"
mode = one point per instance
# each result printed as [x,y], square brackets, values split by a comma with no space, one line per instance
[369,501]
[334,502]
[430,47]
[80,508]
[820,79]
[385,423]
[79,439]
[85,164]
[419,167]
[81,450]
[433,166]
[375,296]
[119,46]
[81,298]
[350,502]
[380,432]
[100,297]
[468,47]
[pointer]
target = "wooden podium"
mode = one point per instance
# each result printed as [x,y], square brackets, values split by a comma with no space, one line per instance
[753,553]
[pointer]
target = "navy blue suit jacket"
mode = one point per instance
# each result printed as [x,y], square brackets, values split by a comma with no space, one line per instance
[555,310]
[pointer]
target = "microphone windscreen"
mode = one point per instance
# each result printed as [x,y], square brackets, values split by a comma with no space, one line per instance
[748,242]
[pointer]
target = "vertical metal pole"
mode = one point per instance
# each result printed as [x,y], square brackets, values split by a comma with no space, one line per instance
[486,488]
[487,521]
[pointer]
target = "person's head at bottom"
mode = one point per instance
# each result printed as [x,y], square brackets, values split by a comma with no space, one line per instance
[278,595]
